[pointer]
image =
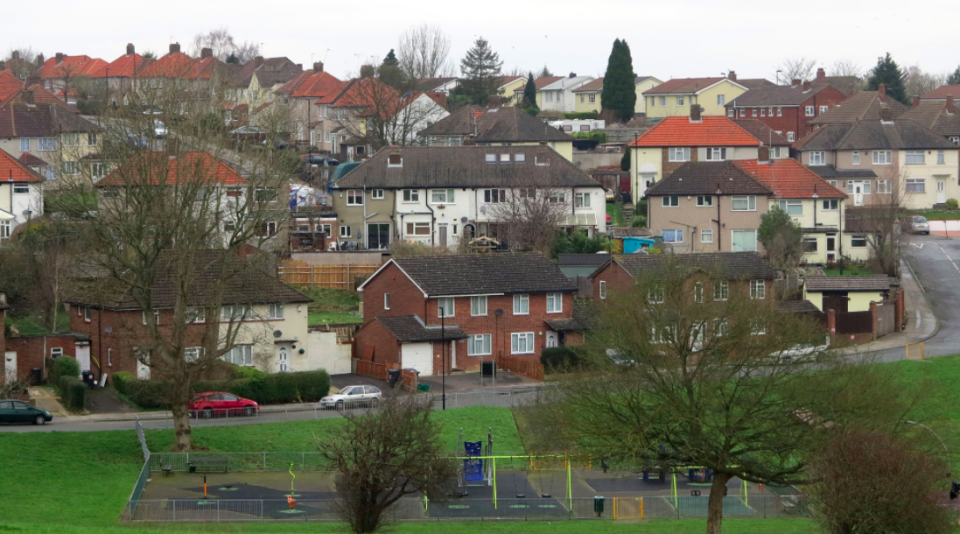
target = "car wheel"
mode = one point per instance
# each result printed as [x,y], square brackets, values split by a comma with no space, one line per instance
[40,420]
[248,411]
[207,413]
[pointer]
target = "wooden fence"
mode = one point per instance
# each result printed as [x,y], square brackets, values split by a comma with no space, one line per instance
[854,322]
[522,366]
[372,369]
[584,286]
[346,277]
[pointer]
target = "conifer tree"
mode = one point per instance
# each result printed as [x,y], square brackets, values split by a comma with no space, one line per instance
[480,70]
[619,93]
[530,93]
[891,76]
[391,59]
[954,79]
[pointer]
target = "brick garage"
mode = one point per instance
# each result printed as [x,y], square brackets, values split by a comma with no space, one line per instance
[32,350]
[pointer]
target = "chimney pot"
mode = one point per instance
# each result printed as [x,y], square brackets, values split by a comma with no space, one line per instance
[882,89]
[695,112]
[15,54]
[732,76]
[175,48]
[318,67]
[27,97]
[31,81]
[795,81]
[950,108]
[131,49]
[206,53]
[763,154]
[40,60]
[806,86]
[821,75]
[59,58]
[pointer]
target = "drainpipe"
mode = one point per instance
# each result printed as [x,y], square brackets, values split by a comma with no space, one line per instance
[433,217]
[719,227]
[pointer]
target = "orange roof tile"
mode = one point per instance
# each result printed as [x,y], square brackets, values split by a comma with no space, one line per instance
[123,66]
[176,65]
[787,178]
[365,92]
[10,85]
[158,163]
[70,66]
[12,170]
[710,131]
[321,85]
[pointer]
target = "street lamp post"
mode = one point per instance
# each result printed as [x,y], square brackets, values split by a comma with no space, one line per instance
[443,360]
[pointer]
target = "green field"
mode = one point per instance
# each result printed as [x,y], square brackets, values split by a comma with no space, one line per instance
[615,211]
[331,306]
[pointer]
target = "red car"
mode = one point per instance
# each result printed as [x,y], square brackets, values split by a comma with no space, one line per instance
[221,404]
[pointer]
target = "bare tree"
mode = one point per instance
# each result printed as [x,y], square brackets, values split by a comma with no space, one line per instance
[796,68]
[225,46]
[385,455]
[845,68]
[853,490]
[884,224]
[22,62]
[424,52]
[916,81]
[529,214]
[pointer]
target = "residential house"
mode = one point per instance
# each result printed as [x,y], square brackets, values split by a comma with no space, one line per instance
[64,143]
[559,95]
[643,84]
[674,97]
[204,77]
[539,83]
[588,97]
[29,91]
[266,319]
[59,74]
[787,109]
[253,83]
[310,97]
[906,157]
[778,144]
[863,105]
[507,89]
[437,85]
[733,271]
[845,293]
[117,76]
[440,313]
[676,140]
[941,94]
[439,196]
[507,126]
[21,194]
[940,115]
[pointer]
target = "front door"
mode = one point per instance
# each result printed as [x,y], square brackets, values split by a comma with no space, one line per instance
[551,339]
[941,190]
[283,358]
[10,366]
[831,249]
[83,357]
[858,194]
[143,371]
[443,235]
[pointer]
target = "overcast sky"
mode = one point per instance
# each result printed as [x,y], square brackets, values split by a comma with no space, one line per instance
[667,39]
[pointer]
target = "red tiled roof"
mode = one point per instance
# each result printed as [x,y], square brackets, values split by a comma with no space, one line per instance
[321,85]
[366,92]
[158,163]
[12,170]
[940,93]
[70,66]
[176,65]
[595,85]
[787,178]
[123,66]
[29,159]
[683,86]
[10,85]
[439,98]
[710,131]
[43,96]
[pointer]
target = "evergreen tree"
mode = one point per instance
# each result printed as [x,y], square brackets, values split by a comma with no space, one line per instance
[954,79]
[530,93]
[891,76]
[391,74]
[232,58]
[480,70]
[545,72]
[391,59]
[625,161]
[619,93]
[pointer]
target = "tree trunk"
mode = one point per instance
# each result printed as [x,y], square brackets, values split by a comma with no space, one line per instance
[715,504]
[180,403]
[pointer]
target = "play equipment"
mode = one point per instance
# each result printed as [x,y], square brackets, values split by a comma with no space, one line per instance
[292,492]
[697,475]
[474,471]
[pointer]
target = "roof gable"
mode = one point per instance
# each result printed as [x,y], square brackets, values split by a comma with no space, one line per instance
[728,265]
[480,274]
[496,125]
[705,178]
[787,178]
[875,134]
[682,131]
[863,105]
[169,170]
[12,170]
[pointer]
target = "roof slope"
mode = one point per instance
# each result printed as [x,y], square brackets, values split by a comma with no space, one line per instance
[941,93]
[163,169]
[173,65]
[466,166]
[933,114]
[684,86]
[787,178]
[124,66]
[41,120]
[880,282]
[496,125]
[704,178]
[70,66]
[874,134]
[681,131]
[777,95]
[269,71]
[10,85]
[409,329]
[12,170]
[583,259]
[478,274]
[755,83]
[863,105]
[595,85]
[727,265]
[762,132]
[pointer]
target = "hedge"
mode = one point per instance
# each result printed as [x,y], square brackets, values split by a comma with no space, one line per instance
[306,386]
[72,392]
[60,367]
[557,359]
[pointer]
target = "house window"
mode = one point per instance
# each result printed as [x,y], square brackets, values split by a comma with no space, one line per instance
[478,306]
[779,112]
[505,158]
[276,311]
[25,144]
[823,109]
[376,194]
[706,236]
[71,168]
[915,157]
[656,295]
[744,203]
[519,158]
[758,291]
[744,241]
[721,290]
[858,241]
[478,345]
[770,112]
[394,160]
[494,195]
[386,301]
[593,98]
[47,144]
[603,289]
[91,139]
[521,304]
[673,236]
[704,201]
[883,187]
[191,354]
[446,307]
[679,100]
[241,355]
[663,101]
[817,158]
[763,112]
[345,231]
[441,196]
[720,327]
[670,201]
[955,140]
[521,343]
[698,293]
[754,112]
[581,200]
[679,154]
[731,112]
[916,185]
[882,157]
[721,100]
[109,357]
[156,317]
[21,189]
[743,113]
[354,198]
[856,157]
[809,244]
[790,136]
[196,315]
[411,195]
[265,194]
[831,205]
[809,111]
[775,152]
[792,207]
[757,328]
[554,302]
[557,197]
[86,315]
[237,312]
[940,157]
[71,139]
[418,228]
[716,154]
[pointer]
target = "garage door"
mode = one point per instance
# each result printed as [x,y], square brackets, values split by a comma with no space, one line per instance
[418,356]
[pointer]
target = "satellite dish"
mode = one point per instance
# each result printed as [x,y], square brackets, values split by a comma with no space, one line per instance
[464,220]
[498,313]
[277,333]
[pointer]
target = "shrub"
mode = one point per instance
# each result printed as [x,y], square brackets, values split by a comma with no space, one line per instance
[121,380]
[72,392]
[307,386]
[639,221]
[952,204]
[597,135]
[574,115]
[248,372]
[556,359]
[62,366]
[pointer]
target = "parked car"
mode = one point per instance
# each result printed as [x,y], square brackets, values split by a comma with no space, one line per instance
[920,225]
[219,403]
[159,129]
[17,411]
[318,159]
[352,397]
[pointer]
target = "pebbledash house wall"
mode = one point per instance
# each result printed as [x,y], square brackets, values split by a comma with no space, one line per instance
[692,219]
[407,299]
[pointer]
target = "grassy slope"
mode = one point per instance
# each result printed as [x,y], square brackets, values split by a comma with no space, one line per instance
[331,306]
[615,211]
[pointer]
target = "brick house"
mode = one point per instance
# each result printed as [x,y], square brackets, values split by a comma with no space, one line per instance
[787,109]
[494,305]
[864,105]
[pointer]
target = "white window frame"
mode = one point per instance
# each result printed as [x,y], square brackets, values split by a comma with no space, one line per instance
[156,314]
[192,354]
[677,235]
[733,232]
[449,305]
[242,353]
[494,196]
[46,144]
[71,168]
[698,292]
[912,183]
[809,111]
[194,315]
[751,202]
[554,302]
[679,101]
[858,238]
[882,157]
[779,112]
[515,342]
[716,154]
[521,304]
[275,311]
[21,189]
[758,290]
[678,154]
[656,295]
[581,200]
[721,100]
[817,158]
[483,340]
[706,236]
[376,194]
[883,187]
[792,207]
[411,196]
[354,197]
[915,157]
[345,231]
[704,201]
[70,139]
[941,157]
[241,312]
[856,157]
[478,306]
[791,136]
[24,144]
[823,109]
[603,290]
[386,301]
[721,290]
[757,327]
[442,196]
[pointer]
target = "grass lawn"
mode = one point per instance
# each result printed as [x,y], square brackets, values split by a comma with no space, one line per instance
[32,324]
[331,306]
[938,215]
[615,211]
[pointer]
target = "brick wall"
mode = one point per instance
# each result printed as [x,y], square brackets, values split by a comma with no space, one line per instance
[33,350]
[668,166]
[374,343]
[616,279]
[405,298]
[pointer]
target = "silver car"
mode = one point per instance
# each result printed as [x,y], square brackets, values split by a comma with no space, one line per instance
[920,225]
[352,397]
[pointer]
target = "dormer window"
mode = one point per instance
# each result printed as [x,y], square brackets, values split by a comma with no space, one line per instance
[504,158]
[394,160]
[491,158]
[538,163]
[519,158]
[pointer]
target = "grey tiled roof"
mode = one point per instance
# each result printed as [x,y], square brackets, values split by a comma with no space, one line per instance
[829,172]
[875,134]
[477,274]
[409,329]
[584,317]
[798,306]
[847,283]
[761,131]
[465,166]
[704,178]
[497,125]
[861,106]
[777,95]
[583,259]
[729,265]
[933,115]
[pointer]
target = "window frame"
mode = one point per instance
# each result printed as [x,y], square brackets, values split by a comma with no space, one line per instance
[858,237]
[817,158]
[751,201]
[676,234]
[603,290]
[683,151]
[809,111]
[704,232]
[886,159]
[521,302]
[528,338]
[855,157]
[449,197]
[415,225]
[581,200]
[758,290]
[670,201]
[704,201]
[411,196]
[830,204]
[721,290]
[476,303]
[376,194]
[486,345]
[452,309]
[557,305]
[922,182]
[788,204]
[355,197]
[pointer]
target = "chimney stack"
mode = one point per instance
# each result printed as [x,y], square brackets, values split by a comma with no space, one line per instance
[31,81]
[206,53]
[821,75]
[27,97]
[573,74]
[318,67]
[882,91]
[763,155]
[732,76]
[950,108]
[915,101]
[886,114]
[695,112]
[258,61]
[795,82]
[40,60]
[59,58]
[15,54]
[806,86]
[851,88]
[494,102]
[131,49]
[175,48]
